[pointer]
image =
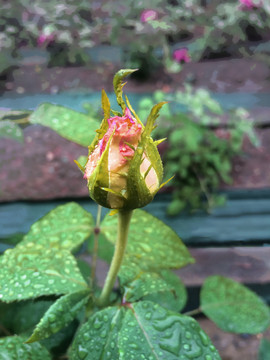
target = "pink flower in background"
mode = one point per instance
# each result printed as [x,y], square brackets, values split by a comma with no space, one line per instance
[43,38]
[248,4]
[148,15]
[181,55]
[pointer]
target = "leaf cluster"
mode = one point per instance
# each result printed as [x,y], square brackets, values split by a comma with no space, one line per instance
[202,140]
[48,294]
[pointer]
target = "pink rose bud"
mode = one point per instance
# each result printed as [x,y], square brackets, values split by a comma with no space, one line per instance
[148,15]
[181,55]
[124,169]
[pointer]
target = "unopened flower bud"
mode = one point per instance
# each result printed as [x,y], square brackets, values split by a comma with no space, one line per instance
[124,168]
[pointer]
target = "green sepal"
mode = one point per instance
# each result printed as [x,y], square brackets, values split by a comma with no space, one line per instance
[157,142]
[118,85]
[116,113]
[152,118]
[133,111]
[80,166]
[99,180]
[106,106]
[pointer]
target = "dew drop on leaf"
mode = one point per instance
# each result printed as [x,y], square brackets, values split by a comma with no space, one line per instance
[82,352]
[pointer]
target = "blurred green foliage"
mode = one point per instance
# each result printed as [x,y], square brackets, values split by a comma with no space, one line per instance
[202,141]
[69,28]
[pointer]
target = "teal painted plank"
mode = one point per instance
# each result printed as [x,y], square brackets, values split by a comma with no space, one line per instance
[75,100]
[243,221]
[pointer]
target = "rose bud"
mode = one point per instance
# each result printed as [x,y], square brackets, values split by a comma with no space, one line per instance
[124,168]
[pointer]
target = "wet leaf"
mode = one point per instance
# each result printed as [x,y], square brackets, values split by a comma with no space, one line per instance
[65,227]
[144,284]
[152,245]
[32,270]
[22,317]
[233,307]
[8,114]
[98,337]
[173,299]
[14,348]
[70,124]
[11,131]
[59,315]
[150,331]
[84,268]
[264,350]
[105,248]
[10,241]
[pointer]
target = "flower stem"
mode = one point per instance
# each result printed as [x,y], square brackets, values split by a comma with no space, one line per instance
[95,249]
[124,218]
[193,312]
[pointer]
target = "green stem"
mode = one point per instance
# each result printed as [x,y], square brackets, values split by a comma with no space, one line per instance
[95,248]
[124,217]
[193,312]
[24,120]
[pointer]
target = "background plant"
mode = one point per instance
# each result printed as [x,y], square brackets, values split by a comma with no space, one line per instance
[203,140]
[68,29]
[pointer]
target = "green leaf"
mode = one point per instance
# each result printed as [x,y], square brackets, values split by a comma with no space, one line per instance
[157,333]
[152,245]
[10,241]
[84,268]
[264,350]
[98,337]
[32,270]
[233,307]
[11,131]
[144,284]
[105,248]
[8,114]
[23,316]
[14,348]
[65,227]
[175,207]
[174,299]
[59,315]
[70,124]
